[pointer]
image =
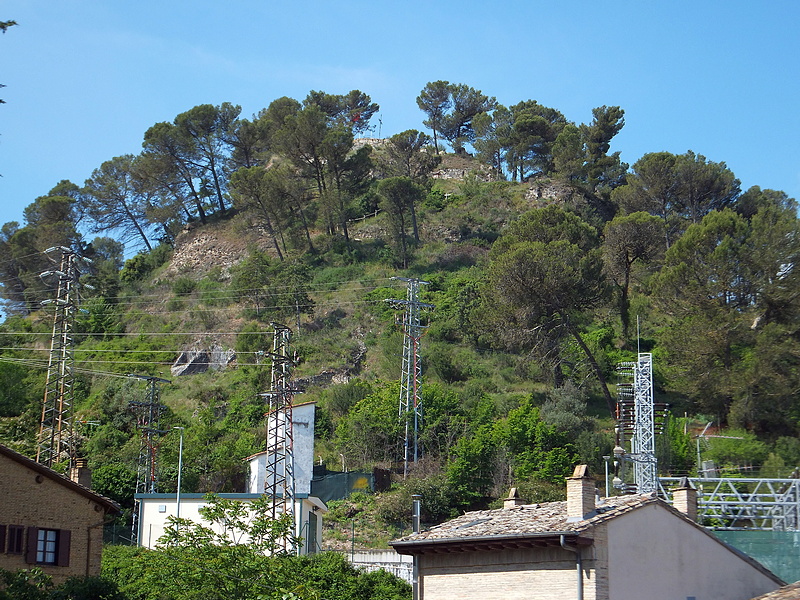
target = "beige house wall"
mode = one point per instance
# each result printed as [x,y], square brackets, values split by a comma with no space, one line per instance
[30,499]
[521,574]
[655,556]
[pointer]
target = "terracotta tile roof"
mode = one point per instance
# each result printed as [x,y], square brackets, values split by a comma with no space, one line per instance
[528,520]
[787,592]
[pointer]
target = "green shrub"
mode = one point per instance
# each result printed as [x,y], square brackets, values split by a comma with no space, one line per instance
[183,285]
[143,264]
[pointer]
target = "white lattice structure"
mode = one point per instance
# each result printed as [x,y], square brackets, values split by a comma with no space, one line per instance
[731,503]
[640,417]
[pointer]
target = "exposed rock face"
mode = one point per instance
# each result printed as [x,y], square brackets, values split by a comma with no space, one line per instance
[359,143]
[198,250]
[199,360]
[340,375]
[543,189]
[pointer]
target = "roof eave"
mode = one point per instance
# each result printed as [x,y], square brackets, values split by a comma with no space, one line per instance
[490,542]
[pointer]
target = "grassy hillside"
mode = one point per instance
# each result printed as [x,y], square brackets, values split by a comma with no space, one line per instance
[503,404]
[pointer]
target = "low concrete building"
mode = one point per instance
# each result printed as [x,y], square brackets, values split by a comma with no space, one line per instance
[155,509]
[48,520]
[620,548]
[302,449]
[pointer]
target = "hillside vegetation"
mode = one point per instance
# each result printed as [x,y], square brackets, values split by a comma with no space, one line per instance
[547,259]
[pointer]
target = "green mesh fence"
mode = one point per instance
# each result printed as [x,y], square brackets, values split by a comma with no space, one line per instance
[779,551]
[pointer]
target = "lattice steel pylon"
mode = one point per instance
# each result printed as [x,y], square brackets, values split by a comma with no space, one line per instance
[147,417]
[279,482]
[55,440]
[410,409]
[640,417]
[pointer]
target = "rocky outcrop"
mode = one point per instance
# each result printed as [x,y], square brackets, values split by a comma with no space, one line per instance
[340,375]
[199,360]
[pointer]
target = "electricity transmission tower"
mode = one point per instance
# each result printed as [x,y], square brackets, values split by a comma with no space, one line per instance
[410,410]
[642,419]
[147,416]
[55,442]
[280,482]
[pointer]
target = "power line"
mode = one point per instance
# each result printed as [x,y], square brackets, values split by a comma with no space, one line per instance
[114,351]
[238,294]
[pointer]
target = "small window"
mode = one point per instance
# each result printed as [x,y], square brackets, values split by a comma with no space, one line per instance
[46,546]
[15,539]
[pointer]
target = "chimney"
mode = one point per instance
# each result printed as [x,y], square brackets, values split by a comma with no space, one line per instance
[513,499]
[581,494]
[80,473]
[684,498]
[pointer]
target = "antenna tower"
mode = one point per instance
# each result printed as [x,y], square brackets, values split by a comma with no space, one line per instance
[55,441]
[279,482]
[641,418]
[147,416]
[410,411]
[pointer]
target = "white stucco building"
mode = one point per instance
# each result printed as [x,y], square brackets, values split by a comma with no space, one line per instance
[155,509]
[620,548]
[303,450]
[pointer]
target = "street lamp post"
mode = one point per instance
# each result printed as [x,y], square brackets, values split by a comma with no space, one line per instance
[606,459]
[180,470]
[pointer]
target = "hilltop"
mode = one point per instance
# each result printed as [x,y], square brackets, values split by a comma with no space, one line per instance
[547,260]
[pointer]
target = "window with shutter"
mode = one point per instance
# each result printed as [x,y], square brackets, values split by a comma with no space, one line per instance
[48,546]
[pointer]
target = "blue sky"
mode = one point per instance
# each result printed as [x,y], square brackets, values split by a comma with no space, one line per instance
[86,78]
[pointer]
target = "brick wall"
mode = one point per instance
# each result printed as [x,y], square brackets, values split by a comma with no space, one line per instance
[33,500]
[530,574]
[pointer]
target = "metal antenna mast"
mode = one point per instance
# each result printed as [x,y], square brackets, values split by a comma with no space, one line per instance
[55,441]
[645,472]
[147,416]
[642,419]
[279,482]
[410,411]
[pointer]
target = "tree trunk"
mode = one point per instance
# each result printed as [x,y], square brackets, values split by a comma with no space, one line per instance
[597,370]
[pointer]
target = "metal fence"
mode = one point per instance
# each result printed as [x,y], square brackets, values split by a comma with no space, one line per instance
[730,503]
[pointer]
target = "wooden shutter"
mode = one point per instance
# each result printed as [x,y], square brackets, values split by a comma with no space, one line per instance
[2,538]
[30,555]
[15,539]
[62,557]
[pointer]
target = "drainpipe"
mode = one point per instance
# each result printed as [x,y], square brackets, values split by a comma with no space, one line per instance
[106,519]
[578,564]
[416,510]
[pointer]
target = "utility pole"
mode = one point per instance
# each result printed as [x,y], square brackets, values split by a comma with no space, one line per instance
[55,440]
[147,416]
[410,410]
[280,482]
